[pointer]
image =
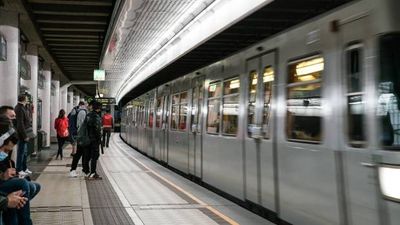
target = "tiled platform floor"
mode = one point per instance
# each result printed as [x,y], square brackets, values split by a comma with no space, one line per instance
[135,190]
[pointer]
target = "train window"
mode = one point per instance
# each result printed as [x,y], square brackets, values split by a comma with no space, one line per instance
[182,116]
[151,113]
[355,103]
[213,117]
[214,105]
[230,107]
[175,117]
[388,107]
[253,78]
[214,90]
[179,111]
[195,106]
[304,100]
[200,108]
[183,110]
[184,97]
[159,111]
[175,99]
[268,78]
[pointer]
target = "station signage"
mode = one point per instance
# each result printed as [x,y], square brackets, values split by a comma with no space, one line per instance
[99,75]
[107,101]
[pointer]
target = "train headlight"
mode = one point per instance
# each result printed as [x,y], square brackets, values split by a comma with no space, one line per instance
[389,178]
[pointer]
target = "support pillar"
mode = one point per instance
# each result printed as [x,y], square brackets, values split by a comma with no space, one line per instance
[55,106]
[63,99]
[46,101]
[9,69]
[32,58]
[71,101]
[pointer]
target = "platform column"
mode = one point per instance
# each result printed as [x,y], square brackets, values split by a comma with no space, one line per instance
[32,58]
[71,101]
[55,106]
[9,69]
[46,103]
[63,98]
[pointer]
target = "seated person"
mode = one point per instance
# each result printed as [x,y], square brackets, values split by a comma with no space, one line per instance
[9,182]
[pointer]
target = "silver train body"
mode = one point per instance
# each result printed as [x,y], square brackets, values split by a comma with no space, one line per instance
[305,124]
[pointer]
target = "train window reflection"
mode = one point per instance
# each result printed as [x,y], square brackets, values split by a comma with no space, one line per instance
[355,103]
[175,117]
[251,119]
[179,111]
[151,113]
[182,116]
[268,78]
[230,108]
[230,113]
[214,90]
[231,87]
[388,108]
[304,100]
[159,112]
[213,116]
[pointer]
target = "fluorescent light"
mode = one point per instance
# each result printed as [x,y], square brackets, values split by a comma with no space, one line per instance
[310,66]
[390,182]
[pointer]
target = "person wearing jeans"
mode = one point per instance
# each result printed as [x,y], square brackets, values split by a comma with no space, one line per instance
[23,124]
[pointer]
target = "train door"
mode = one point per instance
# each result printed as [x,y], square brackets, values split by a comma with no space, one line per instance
[158,131]
[164,129]
[195,134]
[259,147]
[150,129]
[360,181]
[307,160]
[178,132]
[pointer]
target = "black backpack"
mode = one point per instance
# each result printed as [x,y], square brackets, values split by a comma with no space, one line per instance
[83,134]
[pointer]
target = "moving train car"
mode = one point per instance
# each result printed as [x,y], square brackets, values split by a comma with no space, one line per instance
[304,125]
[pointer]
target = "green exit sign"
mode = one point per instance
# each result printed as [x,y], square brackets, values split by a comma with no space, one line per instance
[99,75]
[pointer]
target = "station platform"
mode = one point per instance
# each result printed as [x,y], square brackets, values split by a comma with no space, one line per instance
[134,190]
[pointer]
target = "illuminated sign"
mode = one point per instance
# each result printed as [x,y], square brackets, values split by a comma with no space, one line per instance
[99,75]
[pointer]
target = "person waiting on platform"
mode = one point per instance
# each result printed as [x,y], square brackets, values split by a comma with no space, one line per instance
[24,132]
[81,151]
[107,121]
[61,126]
[94,133]
[17,190]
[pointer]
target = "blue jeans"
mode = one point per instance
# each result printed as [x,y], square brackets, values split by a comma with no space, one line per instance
[17,216]
[34,189]
[22,154]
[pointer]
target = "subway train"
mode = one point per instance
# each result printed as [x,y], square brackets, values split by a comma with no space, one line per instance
[303,127]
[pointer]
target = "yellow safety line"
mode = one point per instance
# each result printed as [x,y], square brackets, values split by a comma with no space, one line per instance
[223,216]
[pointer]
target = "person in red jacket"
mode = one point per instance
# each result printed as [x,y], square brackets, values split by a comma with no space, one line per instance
[61,126]
[107,121]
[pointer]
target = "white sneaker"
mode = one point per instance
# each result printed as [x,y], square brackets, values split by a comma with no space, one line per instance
[28,171]
[73,174]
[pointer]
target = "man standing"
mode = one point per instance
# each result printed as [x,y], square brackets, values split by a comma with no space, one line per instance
[107,121]
[23,125]
[94,133]
[81,150]
[73,126]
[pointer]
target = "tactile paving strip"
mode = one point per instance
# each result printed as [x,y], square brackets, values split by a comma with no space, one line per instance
[57,218]
[105,205]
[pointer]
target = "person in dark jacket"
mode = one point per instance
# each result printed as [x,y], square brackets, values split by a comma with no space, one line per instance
[10,183]
[94,132]
[23,125]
